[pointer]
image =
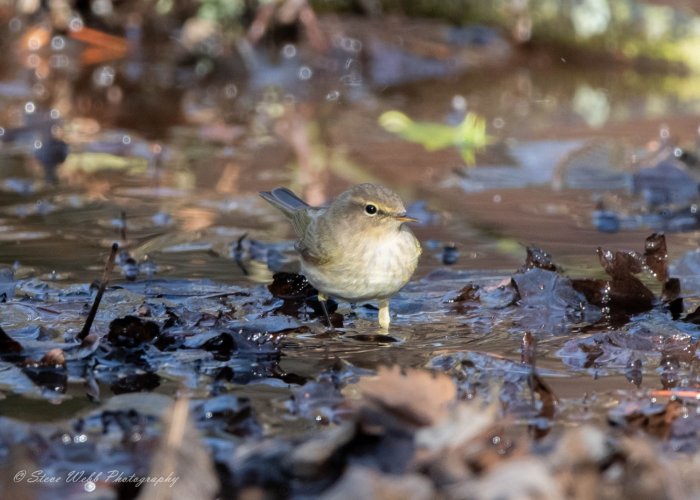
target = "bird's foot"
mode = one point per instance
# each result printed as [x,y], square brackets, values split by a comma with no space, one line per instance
[323,299]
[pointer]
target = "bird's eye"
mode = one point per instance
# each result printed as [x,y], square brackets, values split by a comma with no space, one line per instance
[371,209]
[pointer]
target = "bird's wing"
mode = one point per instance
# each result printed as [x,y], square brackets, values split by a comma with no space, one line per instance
[301,220]
[284,200]
[306,225]
[303,217]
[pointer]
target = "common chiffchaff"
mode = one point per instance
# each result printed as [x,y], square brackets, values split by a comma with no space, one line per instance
[356,249]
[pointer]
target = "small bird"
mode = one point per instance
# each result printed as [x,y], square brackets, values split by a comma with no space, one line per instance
[356,249]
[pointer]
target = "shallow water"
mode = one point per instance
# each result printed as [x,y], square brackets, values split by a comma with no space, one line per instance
[172,173]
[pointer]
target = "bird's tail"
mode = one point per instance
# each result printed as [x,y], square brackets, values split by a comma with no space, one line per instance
[285,200]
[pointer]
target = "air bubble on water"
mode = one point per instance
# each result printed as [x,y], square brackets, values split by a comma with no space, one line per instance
[333,95]
[289,51]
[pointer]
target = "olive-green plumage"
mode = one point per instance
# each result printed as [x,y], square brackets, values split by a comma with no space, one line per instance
[356,249]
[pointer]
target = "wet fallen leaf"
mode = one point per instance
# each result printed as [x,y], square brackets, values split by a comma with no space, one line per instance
[131,331]
[136,383]
[656,255]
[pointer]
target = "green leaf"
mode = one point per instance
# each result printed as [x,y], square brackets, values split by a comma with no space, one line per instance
[469,136]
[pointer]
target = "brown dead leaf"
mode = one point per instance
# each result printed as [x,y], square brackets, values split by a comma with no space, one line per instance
[419,396]
[657,424]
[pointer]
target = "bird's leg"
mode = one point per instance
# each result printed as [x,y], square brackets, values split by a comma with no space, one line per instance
[384,318]
[323,299]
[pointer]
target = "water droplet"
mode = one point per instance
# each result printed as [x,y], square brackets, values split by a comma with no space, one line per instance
[664,132]
[333,95]
[203,67]
[102,7]
[55,114]
[459,103]
[39,89]
[231,90]
[104,76]
[38,144]
[75,24]
[305,73]
[59,61]
[33,60]
[89,486]
[498,122]
[497,198]
[29,107]
[15,24]
[126,139]
[289,51]
[58,43]
[34,43]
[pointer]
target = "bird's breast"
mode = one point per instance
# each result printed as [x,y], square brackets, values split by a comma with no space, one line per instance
[367,268]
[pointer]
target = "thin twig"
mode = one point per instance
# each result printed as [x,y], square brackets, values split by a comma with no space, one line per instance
[103,285]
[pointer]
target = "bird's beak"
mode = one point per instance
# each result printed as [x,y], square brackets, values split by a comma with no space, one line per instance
[404,218]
